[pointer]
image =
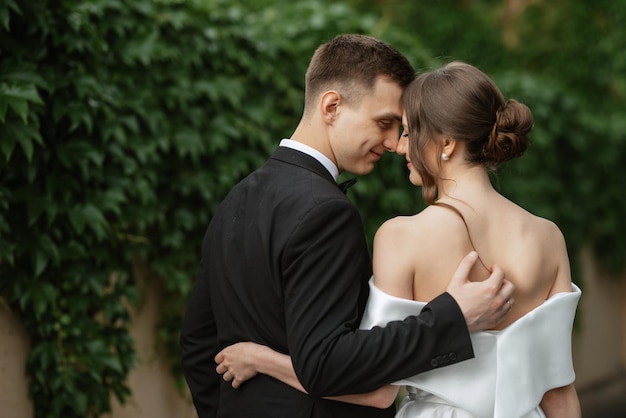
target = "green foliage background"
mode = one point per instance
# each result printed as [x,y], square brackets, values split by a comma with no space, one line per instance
[123,124]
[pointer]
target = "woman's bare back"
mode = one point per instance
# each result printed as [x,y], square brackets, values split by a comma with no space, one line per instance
[427,247]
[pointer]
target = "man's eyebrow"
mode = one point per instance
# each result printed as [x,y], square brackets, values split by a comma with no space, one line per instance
[390,115]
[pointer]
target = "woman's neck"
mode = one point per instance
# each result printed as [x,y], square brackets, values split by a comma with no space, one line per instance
[464,182]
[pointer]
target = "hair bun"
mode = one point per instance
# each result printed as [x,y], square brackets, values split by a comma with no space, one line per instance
[508,138]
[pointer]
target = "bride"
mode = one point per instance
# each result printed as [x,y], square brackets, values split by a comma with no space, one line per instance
[457,128]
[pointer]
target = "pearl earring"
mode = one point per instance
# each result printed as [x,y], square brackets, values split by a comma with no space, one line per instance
[444,156]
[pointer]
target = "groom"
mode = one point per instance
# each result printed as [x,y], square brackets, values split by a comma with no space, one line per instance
[285,261]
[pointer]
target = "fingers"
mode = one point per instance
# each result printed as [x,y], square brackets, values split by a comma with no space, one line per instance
[223,369]
[503,289]
[463,270]
[509,305]
[505,292]
[219,359]
[229,377]
[496,277]
[506,289]
[484,304]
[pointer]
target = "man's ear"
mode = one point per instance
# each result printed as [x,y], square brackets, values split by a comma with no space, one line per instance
[329,106]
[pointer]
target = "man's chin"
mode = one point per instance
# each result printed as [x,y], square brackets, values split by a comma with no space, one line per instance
[362,170]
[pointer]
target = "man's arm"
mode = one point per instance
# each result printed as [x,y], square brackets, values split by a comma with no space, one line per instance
[327,267]
[242,361]
[198,344]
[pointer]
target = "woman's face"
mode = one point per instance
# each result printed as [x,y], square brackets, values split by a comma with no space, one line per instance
[403,149]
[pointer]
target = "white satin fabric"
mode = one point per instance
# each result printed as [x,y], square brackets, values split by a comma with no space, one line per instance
[511,371]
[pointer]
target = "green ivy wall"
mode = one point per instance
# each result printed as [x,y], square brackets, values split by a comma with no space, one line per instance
[124,123]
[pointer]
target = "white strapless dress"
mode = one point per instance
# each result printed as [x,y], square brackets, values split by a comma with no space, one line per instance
[511,371]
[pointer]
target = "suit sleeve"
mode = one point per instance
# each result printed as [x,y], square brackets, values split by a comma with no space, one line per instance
[326,268]
[198,344]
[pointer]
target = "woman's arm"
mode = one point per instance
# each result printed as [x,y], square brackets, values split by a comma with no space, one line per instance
[242,361]
[561,403]
[558,248]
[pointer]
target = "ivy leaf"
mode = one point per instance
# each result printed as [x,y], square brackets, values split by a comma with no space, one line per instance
[77,219]
[17,96]
[27,146]
[4,18]
[50,248]
[7,252]
[142,48]
[43,296]
[4,105]
[96,220]
[7,144]
[18,132]
[40,261]
[80,403]
[5,13]
[112,363]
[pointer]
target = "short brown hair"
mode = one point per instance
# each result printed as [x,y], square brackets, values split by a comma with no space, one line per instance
[460,101]
[350,64]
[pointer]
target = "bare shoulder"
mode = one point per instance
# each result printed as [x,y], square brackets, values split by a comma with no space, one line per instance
[398,236]
[391,259]
[393,230]
[549,231]
[427,224]
[402,245]
[394,225]
[555,249]
[541,230]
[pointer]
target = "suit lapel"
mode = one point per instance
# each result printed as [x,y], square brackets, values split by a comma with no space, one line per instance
[295,157]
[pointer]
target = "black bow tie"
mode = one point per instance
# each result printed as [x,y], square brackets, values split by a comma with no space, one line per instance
[346,184]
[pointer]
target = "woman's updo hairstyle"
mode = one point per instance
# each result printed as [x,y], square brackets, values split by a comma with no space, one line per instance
[508,138]
[460,101]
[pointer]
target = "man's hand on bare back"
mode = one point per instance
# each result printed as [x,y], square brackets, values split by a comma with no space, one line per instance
[484,304]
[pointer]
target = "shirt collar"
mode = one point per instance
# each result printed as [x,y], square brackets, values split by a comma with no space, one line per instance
[324,160]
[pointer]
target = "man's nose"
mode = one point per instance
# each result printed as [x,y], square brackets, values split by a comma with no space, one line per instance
[391,143]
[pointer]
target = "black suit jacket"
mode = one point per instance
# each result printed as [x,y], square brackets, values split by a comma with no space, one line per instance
[285,263]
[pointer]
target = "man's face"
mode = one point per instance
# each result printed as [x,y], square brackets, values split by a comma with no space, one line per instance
[361,134]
